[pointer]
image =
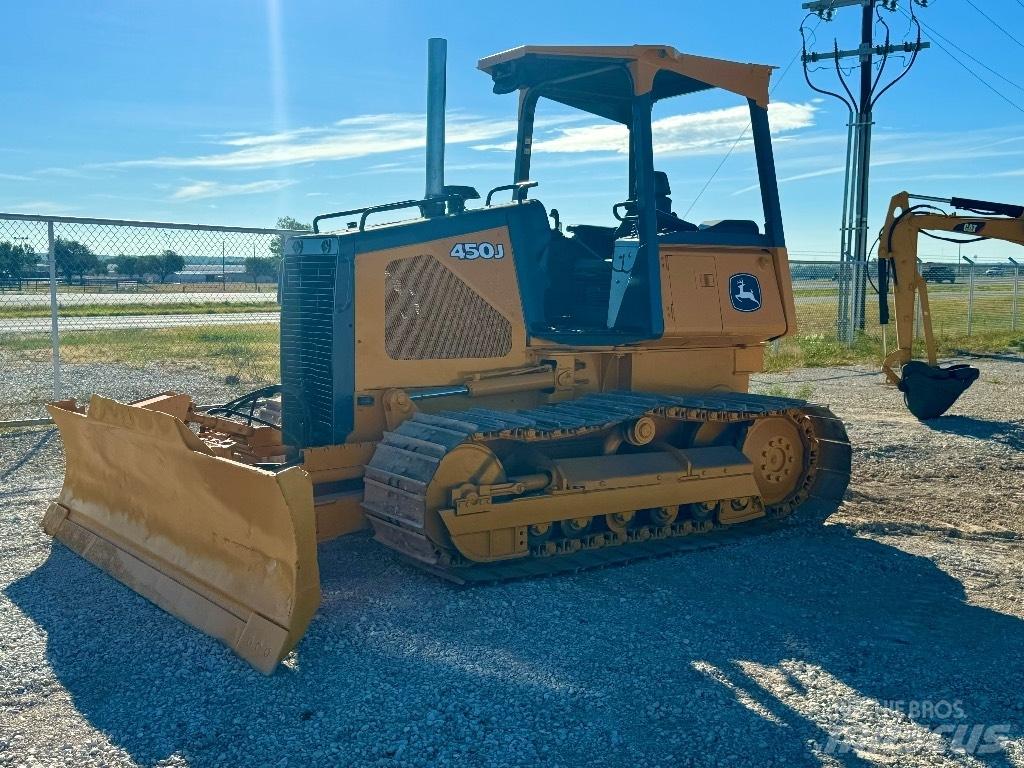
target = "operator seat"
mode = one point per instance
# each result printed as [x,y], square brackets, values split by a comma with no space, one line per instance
[667,220]
[662,190]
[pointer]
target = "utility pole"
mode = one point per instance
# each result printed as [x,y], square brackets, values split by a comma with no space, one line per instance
[854,231]
[865,121]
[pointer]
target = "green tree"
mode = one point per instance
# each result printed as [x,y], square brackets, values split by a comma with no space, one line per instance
[74,259]
[287,222]
[15,260]
[148,265]
[257,267]
[167,263]
[127,266]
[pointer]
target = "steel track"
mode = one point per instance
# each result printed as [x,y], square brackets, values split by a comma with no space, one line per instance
[400,472]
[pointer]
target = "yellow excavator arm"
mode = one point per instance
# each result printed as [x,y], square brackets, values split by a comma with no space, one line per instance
[930,389]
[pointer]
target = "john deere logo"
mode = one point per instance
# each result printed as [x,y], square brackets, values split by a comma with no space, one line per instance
[744,292]
[296,246]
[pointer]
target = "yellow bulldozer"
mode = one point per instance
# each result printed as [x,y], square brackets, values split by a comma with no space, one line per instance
[492,395]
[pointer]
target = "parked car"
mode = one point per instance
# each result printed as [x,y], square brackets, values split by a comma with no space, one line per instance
[994,272]
[822,271]
[938,273]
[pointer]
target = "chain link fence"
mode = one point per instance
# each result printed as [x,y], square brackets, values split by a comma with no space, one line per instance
[975,307]
[129,308]
[126,308]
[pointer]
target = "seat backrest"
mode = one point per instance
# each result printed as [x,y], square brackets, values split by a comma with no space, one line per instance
[661,186]
[662,190]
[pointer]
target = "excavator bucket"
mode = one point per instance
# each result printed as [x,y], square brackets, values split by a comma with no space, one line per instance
[930,390]
[227,547]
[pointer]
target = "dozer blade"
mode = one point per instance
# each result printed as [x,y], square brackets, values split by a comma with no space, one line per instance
[228,548]
[930,390]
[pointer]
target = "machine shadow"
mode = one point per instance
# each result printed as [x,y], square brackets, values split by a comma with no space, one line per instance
[1008,433]
[637,664]
[45,437]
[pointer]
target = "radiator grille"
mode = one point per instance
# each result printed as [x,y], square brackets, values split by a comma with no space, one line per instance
[307,348]
[430,314]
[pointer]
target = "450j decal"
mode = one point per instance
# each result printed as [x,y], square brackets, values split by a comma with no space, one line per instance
[470,251]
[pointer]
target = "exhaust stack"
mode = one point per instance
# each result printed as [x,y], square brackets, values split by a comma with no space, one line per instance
[437,55]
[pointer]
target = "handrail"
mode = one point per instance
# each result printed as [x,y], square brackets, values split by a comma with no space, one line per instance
[519,195]
[365,212]
[398,206]
[335,215]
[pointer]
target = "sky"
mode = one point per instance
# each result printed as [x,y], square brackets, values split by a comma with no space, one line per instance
[237,113]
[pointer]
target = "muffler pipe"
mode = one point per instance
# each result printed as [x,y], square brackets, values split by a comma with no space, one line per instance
[437,55]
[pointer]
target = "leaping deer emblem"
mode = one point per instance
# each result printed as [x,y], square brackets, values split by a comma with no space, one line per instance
[742,294]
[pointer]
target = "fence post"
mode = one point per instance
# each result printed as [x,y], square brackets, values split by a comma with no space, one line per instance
[970,300]
[54,330]
[1016,290]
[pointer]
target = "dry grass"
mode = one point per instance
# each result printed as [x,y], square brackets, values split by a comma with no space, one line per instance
[247,351]
[195,307]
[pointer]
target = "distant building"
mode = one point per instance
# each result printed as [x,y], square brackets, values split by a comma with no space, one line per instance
[211,273]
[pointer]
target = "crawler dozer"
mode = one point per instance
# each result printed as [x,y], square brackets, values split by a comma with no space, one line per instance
[492,395]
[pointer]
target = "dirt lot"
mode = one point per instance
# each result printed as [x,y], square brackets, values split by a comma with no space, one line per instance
[892,635]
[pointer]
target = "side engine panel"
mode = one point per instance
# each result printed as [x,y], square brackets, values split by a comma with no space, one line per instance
[416,303]
[431,313]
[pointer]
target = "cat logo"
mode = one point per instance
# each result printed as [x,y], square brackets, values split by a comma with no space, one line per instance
[744,292]
[969,227]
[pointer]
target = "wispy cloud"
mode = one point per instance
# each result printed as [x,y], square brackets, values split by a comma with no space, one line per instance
[63,173]
[346,139]
[694,133]
[40,207]
[830,171]
[201,190]
[901,148]
[14,177]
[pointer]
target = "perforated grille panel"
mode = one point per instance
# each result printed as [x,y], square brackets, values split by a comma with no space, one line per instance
[430,314]
[307,348]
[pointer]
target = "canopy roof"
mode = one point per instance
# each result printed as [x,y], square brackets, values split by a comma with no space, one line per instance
[593,78]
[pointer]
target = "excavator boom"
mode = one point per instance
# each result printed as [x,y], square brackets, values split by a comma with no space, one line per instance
[930,389]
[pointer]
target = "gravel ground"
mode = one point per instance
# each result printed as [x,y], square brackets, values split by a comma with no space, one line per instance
[892,635]
[27,383]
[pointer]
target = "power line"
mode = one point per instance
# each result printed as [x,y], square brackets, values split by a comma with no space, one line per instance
[717,169]
[995,23]
[934,32]
[743,133]
[978,77]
